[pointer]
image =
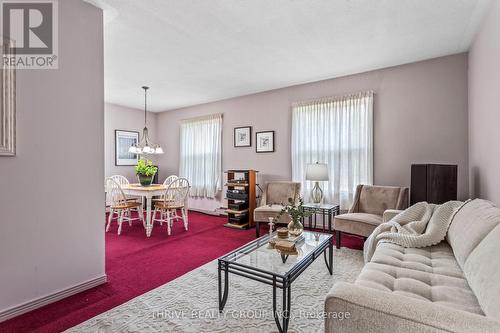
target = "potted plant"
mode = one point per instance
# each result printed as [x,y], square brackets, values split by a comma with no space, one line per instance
[296,213]
[145,171]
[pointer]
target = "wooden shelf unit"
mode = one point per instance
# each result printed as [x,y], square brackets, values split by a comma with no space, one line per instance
[245,182]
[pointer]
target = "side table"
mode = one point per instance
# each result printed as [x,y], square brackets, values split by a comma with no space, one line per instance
[325,210]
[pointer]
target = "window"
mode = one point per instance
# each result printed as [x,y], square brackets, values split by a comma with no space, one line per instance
[339,132]
[201,155]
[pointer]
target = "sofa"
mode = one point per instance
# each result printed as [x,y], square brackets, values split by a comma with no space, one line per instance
[366,213]
[453,286]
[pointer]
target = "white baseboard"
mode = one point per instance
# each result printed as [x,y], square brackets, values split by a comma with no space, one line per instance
[217,212]
[38,303]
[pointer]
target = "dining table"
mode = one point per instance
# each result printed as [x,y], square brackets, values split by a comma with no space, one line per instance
[147,192]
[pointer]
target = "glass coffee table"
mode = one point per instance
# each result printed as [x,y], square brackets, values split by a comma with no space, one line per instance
[258,262]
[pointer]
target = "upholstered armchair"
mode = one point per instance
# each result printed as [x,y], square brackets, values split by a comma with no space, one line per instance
[367,210]
[275,194]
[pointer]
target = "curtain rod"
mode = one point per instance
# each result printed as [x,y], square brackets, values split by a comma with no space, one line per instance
[205,117]
[332,98]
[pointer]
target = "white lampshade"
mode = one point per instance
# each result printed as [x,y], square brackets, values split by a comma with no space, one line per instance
[317,172]
[132,150]
[147,150]
[158,150]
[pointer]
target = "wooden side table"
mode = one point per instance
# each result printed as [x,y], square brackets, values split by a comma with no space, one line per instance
[325,210]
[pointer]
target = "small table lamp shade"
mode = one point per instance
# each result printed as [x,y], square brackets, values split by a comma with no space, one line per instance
[317,172]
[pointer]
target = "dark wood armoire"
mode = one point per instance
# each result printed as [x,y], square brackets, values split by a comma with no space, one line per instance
[434,183]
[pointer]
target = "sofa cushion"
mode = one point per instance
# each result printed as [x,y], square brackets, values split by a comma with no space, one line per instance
[452,292]
[357,223]
[470,226]
[263,213]
[437,259]
[482,270]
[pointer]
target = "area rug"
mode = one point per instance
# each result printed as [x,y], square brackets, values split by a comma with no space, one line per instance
[190,302]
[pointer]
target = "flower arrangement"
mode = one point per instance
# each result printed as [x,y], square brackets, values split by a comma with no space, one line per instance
[297,213]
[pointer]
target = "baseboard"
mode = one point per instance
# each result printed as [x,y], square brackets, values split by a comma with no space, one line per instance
[205,211]
[37,303]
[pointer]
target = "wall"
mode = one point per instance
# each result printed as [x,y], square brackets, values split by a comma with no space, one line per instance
[46,245]
[484,114]
[123,118]
[420,115]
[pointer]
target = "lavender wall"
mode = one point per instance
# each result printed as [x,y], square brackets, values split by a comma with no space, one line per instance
[46,244]
[118,117]
[484,114]
[420,116]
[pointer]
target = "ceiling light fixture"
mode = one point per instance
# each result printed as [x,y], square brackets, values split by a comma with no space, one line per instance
[145,146]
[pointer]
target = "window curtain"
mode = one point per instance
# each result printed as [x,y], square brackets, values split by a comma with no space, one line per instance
[201,155]
[339,132]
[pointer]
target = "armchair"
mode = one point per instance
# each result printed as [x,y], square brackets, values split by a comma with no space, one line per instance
[275,194]
[367,210]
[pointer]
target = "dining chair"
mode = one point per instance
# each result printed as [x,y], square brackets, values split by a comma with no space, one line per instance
[122,180]
[174,200]
[120,205]
[166,182]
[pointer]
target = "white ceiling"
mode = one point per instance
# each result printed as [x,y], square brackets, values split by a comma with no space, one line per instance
[196,51]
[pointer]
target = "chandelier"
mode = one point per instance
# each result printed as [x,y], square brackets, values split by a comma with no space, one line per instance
[145,146]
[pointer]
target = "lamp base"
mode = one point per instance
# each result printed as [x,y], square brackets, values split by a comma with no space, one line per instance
[317,194]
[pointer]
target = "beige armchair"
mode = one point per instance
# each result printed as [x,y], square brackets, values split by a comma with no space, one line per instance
[366,213]
[275,194]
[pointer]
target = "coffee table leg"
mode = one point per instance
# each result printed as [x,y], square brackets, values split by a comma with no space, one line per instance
[223,295]
[329,262]
[285,317]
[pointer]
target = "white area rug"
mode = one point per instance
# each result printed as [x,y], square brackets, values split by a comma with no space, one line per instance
[190,302]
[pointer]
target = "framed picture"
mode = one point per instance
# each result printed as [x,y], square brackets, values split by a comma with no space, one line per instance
[264,142]
[243,136]
[123,141]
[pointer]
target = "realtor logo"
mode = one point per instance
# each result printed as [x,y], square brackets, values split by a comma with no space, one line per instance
[29,34]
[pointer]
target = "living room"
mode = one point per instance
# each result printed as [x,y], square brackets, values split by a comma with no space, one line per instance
[335,104]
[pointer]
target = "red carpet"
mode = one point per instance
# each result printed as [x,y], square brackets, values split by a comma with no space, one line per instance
[135,265]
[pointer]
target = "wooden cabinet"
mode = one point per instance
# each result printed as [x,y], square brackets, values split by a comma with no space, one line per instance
[434,183]
[241,198]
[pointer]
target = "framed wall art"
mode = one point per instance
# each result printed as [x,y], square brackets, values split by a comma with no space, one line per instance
[264,142]
[243,136]
[123,141]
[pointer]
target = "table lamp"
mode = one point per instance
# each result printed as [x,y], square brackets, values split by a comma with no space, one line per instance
[317,172]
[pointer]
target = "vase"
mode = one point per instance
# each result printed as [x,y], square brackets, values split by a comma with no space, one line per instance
[295,227]
[145,180]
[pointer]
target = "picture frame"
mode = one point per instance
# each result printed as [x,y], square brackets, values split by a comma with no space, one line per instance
[242,136]
[123,140]
[264,142]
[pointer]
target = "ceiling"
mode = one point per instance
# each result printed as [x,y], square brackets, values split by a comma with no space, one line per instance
[196,51]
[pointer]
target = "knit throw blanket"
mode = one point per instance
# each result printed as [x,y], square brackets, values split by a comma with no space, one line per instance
[420,225]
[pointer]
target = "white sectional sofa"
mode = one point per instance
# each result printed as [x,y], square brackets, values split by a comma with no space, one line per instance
[450,287]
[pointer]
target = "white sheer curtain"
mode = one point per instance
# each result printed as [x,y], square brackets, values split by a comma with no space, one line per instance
[337,131]
[201,154]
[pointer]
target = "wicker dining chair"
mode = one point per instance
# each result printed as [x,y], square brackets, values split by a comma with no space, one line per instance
[174,200]
[120,205]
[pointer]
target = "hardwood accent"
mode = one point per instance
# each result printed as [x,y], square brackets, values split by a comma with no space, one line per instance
[434,183]
[247,187]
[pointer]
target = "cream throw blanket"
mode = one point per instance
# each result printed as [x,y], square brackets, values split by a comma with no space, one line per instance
[420,225]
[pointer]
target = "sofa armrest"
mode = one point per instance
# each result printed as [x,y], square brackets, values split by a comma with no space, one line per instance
[352,308]
[390,213]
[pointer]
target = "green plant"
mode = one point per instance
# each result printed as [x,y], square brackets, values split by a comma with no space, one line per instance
[296,211]
[145,168]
